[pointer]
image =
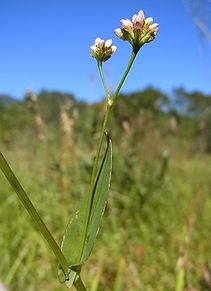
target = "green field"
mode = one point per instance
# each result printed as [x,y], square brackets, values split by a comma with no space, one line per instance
[157,220]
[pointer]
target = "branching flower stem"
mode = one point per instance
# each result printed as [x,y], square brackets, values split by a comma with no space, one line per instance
[110,103]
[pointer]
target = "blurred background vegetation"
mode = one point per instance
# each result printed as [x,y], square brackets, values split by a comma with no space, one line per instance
[157,219]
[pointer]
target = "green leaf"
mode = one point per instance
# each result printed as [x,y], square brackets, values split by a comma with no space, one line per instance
[12,179]
[81,232]
[100,195]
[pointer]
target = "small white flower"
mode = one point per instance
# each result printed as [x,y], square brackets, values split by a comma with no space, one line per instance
[126,24]
[138,19]
[108,43]
[118,32]
[113,48]
[154,26]
[99,42]
[148,21]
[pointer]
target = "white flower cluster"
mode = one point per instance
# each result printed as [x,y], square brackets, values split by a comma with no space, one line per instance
[138,31]
[102,50]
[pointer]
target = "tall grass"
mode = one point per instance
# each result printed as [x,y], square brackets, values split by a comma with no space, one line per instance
[141,242]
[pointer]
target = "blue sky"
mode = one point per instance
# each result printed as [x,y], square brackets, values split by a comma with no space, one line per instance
[45,44]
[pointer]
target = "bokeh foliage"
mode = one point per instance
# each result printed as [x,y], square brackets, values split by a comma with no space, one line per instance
[159,206]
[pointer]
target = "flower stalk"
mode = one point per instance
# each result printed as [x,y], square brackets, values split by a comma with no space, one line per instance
[110,104]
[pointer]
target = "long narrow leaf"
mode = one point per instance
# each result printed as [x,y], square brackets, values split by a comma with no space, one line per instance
[12,179]
[100,193]
[81,232]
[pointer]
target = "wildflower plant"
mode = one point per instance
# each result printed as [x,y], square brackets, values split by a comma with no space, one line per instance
[80,234]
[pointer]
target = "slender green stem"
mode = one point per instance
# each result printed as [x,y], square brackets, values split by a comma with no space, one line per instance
[105,122]
[132,58]
[79,285]
[33,212]
[110,103]
[103,130]
[180,280]
[99,63]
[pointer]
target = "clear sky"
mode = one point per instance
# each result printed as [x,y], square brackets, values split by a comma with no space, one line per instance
[44,44]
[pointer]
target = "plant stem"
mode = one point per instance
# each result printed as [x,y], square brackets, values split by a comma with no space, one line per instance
[103,129]
[79,285]
[12,179]
[132,58]
[110,103]
[99,63]
[180,280]
[105,122]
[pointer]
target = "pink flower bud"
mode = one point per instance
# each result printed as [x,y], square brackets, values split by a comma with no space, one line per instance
[148,21]
[108,43]
[99,42]
[126,24]
[118,32]
[154,26]
[141,14]
[137,21]
[113,48]
[134,18]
